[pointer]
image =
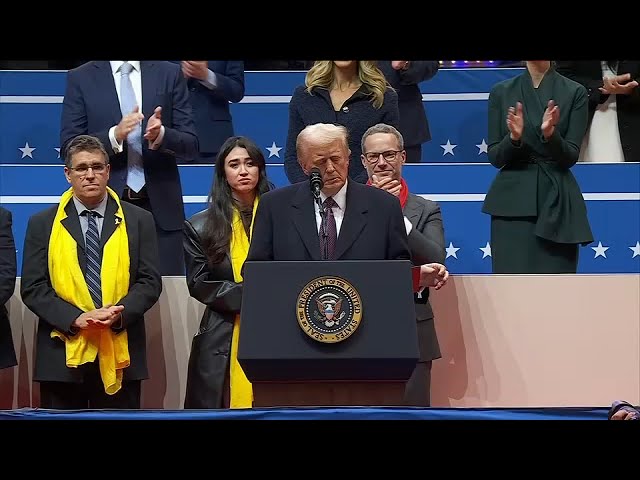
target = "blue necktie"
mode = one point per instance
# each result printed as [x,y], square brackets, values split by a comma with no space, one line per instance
[135,169]
[94,260]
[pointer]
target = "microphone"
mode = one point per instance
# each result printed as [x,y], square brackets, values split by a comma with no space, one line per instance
[315,182]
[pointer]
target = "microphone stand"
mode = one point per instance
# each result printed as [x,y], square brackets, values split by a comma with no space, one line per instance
[323,225]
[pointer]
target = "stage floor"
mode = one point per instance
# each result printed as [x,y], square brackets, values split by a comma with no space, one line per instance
[329,413]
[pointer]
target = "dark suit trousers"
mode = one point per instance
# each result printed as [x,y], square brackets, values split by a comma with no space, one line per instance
[90,394]
[417,391]
[414,154]
[170,251]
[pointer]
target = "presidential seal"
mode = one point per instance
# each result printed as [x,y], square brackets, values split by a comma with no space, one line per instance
[329,309]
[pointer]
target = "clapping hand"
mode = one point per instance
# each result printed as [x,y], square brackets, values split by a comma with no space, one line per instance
[550,119]
[619,85]
[154,125]
[515,122]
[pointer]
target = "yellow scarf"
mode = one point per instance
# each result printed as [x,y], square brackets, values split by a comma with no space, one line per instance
[68,281]
[241,391]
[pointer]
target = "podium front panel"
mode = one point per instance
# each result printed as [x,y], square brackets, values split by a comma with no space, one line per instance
[274,346]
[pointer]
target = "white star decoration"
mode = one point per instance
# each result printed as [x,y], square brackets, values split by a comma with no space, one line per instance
[57,150]
[600,250]
[448,148]
[635,250]
[482,148]
[486,251]
[27,151]
[451,250]
[273,150]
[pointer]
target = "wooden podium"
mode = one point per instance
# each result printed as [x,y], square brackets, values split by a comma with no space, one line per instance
[328,333]
[325,394]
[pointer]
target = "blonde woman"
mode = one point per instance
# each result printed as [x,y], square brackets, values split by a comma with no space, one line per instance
[352,93]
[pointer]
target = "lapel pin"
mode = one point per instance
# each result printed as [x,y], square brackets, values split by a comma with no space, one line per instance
[118,220]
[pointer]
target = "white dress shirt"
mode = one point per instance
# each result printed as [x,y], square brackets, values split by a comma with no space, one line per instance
[136,82]
[338,211]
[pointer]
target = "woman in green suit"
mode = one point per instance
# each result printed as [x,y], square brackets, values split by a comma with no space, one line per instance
[538,216]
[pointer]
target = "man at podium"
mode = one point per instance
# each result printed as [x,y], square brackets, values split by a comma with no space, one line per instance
[328,217]
[360,232]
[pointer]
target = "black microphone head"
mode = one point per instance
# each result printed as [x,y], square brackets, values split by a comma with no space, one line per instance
[315,180]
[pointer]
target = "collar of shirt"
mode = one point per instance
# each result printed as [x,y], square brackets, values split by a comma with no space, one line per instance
[100,209]
[340,198]
[116,64]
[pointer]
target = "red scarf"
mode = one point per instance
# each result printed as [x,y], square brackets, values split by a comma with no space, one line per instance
[404,192]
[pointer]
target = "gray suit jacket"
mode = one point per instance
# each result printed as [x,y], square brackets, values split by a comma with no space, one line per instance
[426,241]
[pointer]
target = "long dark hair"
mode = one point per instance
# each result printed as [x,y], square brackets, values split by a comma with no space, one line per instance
[217,229]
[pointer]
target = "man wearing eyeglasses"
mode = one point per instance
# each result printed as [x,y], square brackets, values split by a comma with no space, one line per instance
[89,273]
[383,157]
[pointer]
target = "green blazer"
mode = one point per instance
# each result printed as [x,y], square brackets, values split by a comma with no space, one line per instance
[535,179]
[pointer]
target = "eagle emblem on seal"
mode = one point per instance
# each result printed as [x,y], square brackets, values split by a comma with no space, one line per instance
[331,311]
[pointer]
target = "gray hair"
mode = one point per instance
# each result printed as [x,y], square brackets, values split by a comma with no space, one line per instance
[323,133]
[383,128]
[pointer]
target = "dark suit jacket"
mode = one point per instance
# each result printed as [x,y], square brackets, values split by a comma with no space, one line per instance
[285,226]
[414,124]
[55,313]
[589,74]
[357,115]
[211,346]
[426,240]
[211,112]
[7,287]
[91,107]
[535,179]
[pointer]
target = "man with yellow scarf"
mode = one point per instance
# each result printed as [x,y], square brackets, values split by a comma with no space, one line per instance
[90,272]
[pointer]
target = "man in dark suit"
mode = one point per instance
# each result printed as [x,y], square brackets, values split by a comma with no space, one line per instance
[147,104]
[363,223]
[609,82]
[69,241]
[212,85]
[383,155]
[405,76]
[7,286]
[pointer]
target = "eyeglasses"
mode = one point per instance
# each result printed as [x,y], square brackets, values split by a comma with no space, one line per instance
[389,156]
[83,169]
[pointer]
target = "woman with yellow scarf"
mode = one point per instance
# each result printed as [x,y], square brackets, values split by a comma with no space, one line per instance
[216,243]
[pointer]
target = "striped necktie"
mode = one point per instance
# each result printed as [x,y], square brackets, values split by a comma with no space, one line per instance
[94,258]
[331,235]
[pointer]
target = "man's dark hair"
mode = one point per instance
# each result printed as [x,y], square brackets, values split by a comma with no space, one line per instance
[84,143]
